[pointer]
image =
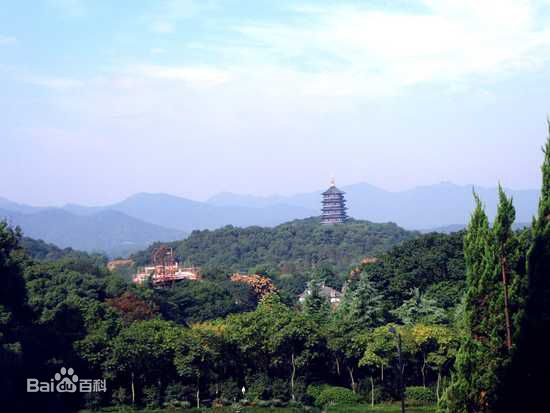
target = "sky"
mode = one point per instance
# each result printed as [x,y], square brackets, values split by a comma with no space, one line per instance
[100,99]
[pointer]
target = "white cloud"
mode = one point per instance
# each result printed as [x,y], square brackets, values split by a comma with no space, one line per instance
[70,8]
[162,27]
[167,13]
[360,51]
[7,40]
[53,82]
[195,76]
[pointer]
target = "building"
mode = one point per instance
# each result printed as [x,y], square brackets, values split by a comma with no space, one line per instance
[333,296]
[334,206]
[165,269]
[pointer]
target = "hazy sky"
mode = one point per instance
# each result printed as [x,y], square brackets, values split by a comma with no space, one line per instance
[102,99]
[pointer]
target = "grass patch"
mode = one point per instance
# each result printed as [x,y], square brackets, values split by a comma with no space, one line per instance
[380,408]
[354,408]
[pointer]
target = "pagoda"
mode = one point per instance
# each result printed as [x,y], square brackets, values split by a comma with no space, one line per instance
[334,206]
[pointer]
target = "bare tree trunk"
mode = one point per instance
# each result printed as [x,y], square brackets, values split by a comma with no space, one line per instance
[198,394]
[382,372]
[353,385]
[292,376]
[133,389]
[371,392]
[337,366]
[506,309]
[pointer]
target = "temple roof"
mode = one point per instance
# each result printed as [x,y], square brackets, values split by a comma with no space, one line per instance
[333,191]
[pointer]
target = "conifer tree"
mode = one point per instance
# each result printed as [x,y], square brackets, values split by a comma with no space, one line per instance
[316,307]
[466,393]
[531,377]
[364,304]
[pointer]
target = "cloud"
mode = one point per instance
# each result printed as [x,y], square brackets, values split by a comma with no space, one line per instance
[167,13]
[162,27]
[70,8]
[345,50]
[53,82]
[7,40]
[157,51]
[195,76]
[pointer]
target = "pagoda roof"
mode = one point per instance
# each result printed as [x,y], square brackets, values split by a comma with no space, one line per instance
[333,191]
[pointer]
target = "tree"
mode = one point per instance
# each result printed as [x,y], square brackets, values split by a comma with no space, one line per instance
[495,276]
[436,345]
[363,304]
[315,306]
[344,342]
[468,391]
[195,359]
[144,350]
[420,309]
[13,312]
[133,308]
[531,373]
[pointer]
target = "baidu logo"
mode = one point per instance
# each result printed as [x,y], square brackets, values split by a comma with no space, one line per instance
[66,382]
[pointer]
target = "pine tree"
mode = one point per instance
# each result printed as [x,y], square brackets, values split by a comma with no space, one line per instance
[315,306]
[420,309]
[492,258]
[363,304]
[466,393]
[531,377]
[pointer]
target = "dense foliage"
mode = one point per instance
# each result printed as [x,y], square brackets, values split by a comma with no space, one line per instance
[198,341]
[433,264]
[293,247]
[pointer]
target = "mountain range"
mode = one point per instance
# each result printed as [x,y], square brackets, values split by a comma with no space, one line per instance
[421,208]
[137,221]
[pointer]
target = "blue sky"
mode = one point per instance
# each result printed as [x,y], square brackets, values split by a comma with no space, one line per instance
[102,99]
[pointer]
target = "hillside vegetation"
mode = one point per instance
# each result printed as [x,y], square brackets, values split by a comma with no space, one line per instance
[292,247]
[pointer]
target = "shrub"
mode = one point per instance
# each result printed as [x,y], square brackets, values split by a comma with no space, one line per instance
[280,389]
[263,403]
[420,394]
[230,390]
[257,386]
[119,396]
[151,396]
[92,401]
[300,392]
[175,395]
[314,390]
[336,395]
[277,403]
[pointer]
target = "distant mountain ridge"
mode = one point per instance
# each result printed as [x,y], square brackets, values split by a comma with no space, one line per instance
[146,217]
[421,208]
[108,232]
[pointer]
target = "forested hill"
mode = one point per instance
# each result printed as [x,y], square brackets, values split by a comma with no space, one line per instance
[291,247]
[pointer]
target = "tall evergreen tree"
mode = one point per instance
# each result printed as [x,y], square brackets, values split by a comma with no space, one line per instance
[420,309]
[316,307]
[475,383]
[531,376]
[363,305]
[467,392]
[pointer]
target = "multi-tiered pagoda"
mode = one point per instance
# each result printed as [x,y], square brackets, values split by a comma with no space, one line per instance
[334,206]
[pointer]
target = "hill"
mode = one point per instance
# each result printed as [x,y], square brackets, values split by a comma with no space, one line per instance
[110,232]
[296,246]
